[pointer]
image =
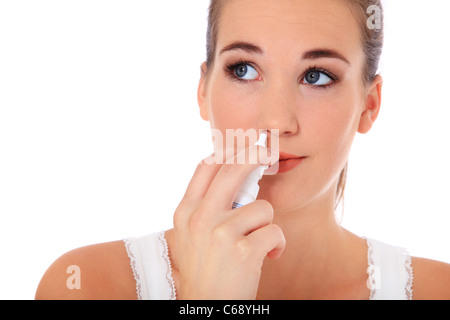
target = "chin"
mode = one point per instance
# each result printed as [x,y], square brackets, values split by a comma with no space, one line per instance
[287,193]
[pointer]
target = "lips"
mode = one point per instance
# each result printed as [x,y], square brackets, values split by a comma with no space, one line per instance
[288,162]
[287,156]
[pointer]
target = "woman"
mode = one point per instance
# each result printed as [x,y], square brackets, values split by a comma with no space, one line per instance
[305,70]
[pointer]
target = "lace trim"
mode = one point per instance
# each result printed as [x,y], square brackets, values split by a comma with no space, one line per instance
[165,256]
[133,265]
[410,280]
[371,280]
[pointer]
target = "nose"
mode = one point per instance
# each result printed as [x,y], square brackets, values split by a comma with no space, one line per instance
[278,108]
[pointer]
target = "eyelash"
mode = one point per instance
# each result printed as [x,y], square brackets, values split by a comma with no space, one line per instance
[230,68]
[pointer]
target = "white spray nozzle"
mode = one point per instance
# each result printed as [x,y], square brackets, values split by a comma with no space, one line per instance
[262,141]
[250,188]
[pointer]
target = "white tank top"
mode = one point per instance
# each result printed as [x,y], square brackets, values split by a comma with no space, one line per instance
[390,274]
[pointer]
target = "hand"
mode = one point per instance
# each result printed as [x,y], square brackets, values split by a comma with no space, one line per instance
[220,250]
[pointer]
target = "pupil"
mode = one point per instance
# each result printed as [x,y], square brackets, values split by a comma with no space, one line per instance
[241,70]
[312,77]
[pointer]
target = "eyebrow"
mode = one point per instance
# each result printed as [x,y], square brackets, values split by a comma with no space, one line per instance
[309,55]
[245,46]
[324,53]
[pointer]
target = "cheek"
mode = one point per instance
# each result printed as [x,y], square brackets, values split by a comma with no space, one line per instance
[331,122]
[231,107]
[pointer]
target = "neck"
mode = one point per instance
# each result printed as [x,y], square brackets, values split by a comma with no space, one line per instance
[317,249]
[311,230]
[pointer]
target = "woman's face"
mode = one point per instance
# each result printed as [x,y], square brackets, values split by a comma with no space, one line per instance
[295,66]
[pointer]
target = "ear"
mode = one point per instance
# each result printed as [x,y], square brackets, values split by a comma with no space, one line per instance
[372,107]
[201,93]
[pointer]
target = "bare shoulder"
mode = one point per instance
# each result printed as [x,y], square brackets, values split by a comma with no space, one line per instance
[100,271]
[431,279]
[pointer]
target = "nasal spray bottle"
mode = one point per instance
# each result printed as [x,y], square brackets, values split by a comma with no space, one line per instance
[250,188]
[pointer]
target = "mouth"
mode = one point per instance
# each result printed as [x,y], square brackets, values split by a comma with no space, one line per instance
[288,162]
[287,156]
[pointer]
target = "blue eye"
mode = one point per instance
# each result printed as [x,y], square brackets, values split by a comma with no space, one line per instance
[242,71]
[245,72]
[317,78]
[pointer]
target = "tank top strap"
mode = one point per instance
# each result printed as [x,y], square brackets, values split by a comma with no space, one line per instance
[390,272]
[150,263]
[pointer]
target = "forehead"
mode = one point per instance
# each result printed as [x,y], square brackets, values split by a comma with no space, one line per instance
[285,27]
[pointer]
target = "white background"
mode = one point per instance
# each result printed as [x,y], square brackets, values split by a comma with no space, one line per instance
[100,131]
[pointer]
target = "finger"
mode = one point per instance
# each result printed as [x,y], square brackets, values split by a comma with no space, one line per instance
[231,175]
[204,173]
[268,241]
[247,219]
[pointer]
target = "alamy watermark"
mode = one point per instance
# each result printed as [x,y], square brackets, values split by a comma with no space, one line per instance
[74,280]
[374,20]
[233,147]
